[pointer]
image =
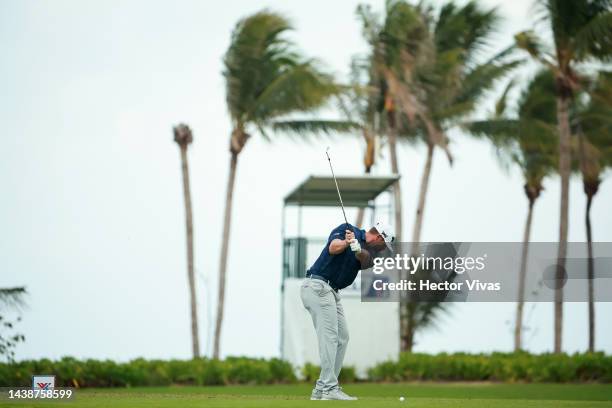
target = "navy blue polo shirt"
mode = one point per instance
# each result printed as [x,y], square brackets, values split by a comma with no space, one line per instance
[340,269]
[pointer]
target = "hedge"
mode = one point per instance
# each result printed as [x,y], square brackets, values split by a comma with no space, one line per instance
[507,367]
[105,373]
[310,373]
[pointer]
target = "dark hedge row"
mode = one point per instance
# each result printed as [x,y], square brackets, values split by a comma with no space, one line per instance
[140,372]
[591,367]
[310,373]
[509,367]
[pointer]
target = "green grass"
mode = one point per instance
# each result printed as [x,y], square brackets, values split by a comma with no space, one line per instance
[430,395]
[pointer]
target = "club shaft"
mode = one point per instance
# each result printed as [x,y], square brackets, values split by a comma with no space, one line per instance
[337,188]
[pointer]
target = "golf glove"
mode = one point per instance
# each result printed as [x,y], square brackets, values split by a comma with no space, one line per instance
[355,247]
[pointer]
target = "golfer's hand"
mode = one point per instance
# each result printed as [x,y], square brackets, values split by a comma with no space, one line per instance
[355,246]
[349,236]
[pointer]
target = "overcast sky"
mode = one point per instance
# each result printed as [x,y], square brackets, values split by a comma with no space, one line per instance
[91,207]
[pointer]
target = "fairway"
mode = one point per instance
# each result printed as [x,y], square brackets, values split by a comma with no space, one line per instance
[429,395]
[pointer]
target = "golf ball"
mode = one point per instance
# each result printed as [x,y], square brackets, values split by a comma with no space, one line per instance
[402,399]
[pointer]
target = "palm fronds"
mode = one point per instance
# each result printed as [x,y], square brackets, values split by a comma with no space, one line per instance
[266,77]
[313,127]
[12,297]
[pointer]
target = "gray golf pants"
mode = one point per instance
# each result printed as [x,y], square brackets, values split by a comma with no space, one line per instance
[324,306]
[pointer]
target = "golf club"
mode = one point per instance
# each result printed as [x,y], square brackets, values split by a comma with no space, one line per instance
[337,188]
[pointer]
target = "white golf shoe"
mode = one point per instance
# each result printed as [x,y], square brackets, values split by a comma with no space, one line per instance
[337,394]
[316,395]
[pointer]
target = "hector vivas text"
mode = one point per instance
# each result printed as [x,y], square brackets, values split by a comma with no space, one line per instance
[433,265]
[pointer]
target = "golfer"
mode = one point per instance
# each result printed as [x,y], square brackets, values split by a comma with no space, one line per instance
[348,250]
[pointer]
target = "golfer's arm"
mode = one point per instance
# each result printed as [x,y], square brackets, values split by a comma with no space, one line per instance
[337,246]
[364,258]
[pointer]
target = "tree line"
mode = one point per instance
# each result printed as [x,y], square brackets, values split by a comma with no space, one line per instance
[428,70]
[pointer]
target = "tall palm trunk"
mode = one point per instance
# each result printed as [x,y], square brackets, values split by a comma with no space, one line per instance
[418,221]
[563,100]
[368,162]
[410,308]
[591,268]
[397,192]
[518,329]
[361,210]
[409,337]
[404,315]
[590,182]
[183,137]
[224,251]
[190,273]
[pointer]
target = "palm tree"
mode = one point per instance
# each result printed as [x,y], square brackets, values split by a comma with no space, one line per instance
[581,31]
[183,137]
[358,105]
[594,151]
[429,77]
[404,45]
[452,83]
[529,141]
[397,45]
[590,168]
[432,79]
[266,79]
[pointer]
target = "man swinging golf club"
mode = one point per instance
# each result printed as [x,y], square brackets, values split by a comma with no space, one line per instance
[348,250]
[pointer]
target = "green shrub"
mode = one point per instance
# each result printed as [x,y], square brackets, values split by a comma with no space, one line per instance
[348,374]
[281,371]
[508,367]
[71,372]
[310,373]
[242,370]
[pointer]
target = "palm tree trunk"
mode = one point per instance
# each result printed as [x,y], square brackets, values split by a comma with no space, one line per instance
[368,161]
[410,311]
[418,222]
[195,340]
[397,204]
[591,274]
[518,329]
[564,172]
[397,198]
[224,251]
[410,308]
[397,193]
[359,218]
[361,210]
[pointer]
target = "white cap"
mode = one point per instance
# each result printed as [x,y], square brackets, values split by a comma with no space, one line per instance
[386,232]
